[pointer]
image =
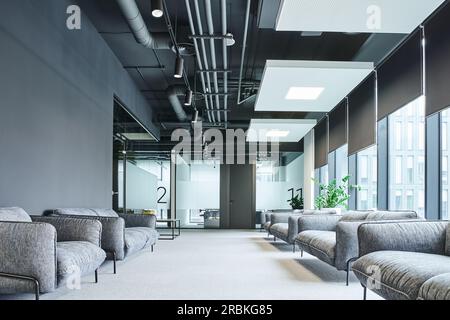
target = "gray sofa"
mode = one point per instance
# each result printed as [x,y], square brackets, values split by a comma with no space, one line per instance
[284,226]
[123,234]
[268,218]
[38,254]
[405,260]
[334,239]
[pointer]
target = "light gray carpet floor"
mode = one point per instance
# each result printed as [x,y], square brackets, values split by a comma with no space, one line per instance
[221,264]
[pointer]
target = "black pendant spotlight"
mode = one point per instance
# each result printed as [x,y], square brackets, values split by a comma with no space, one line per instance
[157,8]
[179,64]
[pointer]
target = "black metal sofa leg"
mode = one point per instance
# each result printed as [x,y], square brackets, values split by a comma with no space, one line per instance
[96,276]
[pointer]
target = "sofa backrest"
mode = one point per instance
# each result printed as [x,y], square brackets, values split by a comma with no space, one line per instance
[447,241]
[106,212]
[14,215]
[391,215]
[355,215]
[310,212]
[95,212]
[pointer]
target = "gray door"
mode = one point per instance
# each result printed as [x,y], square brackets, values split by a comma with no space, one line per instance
[238,196]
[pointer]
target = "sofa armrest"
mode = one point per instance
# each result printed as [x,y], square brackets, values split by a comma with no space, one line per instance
[293,227]
[27,249]
[280,217]
[346,242]
[413,236]
[139,220]
[74,229]
[321,222]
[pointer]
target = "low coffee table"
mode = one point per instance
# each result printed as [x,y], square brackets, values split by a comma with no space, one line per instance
[174,225]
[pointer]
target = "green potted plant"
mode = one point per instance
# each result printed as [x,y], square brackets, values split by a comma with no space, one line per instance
[296,202]
[334,196]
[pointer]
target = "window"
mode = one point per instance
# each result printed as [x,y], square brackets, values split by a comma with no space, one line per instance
[341,163]
[398,170]
[410,169]
[407,164]
[366,162]
[445,183]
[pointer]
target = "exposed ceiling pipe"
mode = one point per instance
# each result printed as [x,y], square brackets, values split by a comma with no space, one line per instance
[209,21]
[197,54]
[205,59]
[247,15]
[172,95]
[137,25]
[225,58]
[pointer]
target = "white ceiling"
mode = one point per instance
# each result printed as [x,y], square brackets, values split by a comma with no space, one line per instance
[337,78]
[396,16]
[297,129]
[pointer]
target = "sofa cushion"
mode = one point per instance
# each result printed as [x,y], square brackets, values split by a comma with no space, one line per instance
[74,212]
[77,256]
[266,225]
[280,230]
[321,244]
[105,213]
[436,288]
[399,275]
[355,215]
[391,215]
[139,238]
[14,214]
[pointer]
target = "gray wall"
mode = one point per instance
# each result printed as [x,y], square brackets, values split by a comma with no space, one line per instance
[56,108]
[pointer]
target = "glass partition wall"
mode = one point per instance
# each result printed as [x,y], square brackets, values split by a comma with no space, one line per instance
[198,194]
[277,182]
[445,152]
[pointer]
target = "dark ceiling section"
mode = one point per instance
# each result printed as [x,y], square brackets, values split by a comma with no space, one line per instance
[152,70]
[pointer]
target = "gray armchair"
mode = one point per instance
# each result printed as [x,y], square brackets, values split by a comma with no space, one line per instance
[334,239]
[39,254]
[285,225]
[123,234]
[405,260]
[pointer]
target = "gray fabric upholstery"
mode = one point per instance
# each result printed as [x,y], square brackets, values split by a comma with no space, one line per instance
[280,231]
[319,243]
[27,249]
[77,256]
[139,220]
[14,214]
[267,225]
[139,238]
[418,236]
[391,215]
[74,229]
[355,215]
[74,212]
[324,222]
[280,217]
[399,275]
[436,288]
[105,212]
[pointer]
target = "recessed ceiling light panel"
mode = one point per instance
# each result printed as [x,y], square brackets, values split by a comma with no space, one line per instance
[304,93]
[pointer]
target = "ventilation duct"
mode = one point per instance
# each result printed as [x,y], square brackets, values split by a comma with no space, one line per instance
[172,95]
[139,29]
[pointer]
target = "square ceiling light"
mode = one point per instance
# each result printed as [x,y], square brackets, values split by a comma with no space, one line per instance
[308,86]
[282,130]
[368,16]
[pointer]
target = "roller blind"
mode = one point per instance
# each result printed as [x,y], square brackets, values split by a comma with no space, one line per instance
[362,116]
[400,77]
[321,144]
[337,126]
[438,61]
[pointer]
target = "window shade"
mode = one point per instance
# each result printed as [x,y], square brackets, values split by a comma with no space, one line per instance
[362,116]
[337,126]
[400,77]
[321,144]
[437,61]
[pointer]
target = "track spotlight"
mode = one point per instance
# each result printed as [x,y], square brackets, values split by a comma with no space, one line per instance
[157,8]
[179,64]
[188,98]
[195,117]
